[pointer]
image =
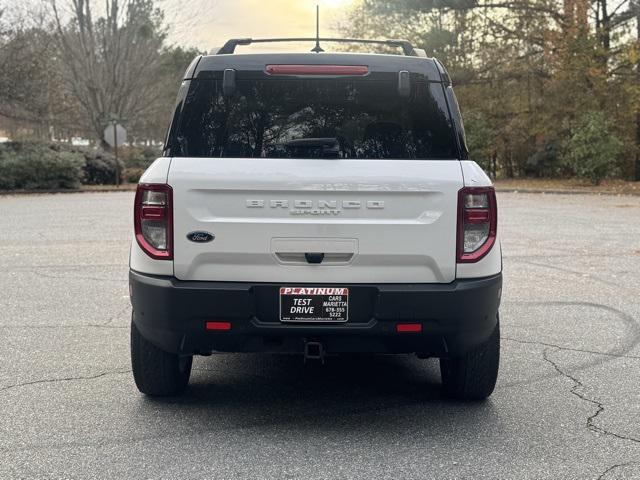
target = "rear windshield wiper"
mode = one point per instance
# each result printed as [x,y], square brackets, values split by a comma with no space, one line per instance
[314,147]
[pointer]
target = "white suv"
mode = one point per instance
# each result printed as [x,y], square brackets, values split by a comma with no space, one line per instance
[316,204]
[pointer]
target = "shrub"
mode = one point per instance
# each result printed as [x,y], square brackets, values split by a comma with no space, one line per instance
[132,175]
[33,166]
[592,150]
[139,157]
[100,167]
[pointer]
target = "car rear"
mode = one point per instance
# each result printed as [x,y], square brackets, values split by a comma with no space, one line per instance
[315,204]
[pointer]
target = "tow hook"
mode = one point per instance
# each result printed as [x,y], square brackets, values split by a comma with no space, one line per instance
[313,351]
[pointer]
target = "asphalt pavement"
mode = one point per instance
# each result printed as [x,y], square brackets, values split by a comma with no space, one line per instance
[567,404]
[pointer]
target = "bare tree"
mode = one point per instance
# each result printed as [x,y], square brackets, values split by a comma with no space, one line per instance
[110,63]
[28,75]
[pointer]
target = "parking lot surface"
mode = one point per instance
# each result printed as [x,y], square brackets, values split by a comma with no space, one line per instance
[567,404]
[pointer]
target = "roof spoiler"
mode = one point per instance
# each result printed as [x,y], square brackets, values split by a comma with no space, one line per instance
[406,46]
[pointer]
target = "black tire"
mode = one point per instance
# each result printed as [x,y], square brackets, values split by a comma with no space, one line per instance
[473,376]
[156,372]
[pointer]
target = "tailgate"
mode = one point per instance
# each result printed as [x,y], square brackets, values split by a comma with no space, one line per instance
[374,221]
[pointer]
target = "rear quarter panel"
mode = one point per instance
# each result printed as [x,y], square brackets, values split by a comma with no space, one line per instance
[138,259]
[491,264]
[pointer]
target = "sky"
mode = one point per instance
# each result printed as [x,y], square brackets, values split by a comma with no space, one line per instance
[206,24]
[209,23]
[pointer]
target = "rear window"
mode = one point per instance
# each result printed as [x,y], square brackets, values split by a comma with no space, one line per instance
[315,118]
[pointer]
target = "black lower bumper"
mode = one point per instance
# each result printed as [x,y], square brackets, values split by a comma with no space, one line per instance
[454,317]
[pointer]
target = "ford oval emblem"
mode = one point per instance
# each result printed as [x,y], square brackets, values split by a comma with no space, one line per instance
[200,237]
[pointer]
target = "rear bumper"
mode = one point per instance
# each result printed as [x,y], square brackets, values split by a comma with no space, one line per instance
[171,314]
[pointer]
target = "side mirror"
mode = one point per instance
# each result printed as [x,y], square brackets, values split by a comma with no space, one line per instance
[229,82]
[404,84]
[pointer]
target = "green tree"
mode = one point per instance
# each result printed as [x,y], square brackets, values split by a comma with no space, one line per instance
[479,138]
[592,150]
[525,69]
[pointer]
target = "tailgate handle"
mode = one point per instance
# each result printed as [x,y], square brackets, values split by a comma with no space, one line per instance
[314,257]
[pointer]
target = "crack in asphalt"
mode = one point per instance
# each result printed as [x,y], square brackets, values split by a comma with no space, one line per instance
[574,272]
[106,324]
[577,384]
[55,327]
[113,317]
[64,379]
[613,467]
[248,425]
[626,343]
[69,267]
[73,277]
[566,255]
[38,270]
[569,349]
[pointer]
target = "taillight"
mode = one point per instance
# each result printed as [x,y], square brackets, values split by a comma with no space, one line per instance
[477,223]
[153,220]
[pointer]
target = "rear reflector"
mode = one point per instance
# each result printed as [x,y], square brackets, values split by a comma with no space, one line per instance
[476,216]
[152,213]
[409,327]
[218,325]
[317,69]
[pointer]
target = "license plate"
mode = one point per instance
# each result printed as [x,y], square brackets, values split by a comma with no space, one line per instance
[314,304]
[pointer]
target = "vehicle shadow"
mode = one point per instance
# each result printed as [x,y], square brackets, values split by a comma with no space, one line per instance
[244,391]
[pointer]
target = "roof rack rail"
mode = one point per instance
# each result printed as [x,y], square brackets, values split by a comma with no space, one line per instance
[231,45]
